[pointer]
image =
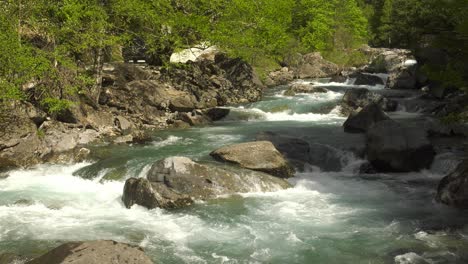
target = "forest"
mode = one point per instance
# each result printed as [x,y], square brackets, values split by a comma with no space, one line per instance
[59,46]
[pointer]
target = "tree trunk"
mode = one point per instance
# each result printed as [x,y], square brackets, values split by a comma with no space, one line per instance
[98,65]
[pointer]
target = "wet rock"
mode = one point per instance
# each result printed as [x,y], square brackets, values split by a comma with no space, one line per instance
[259,155]
[361,121]
[194,118]
[394,147]
[293,149]
[404,78]
[303,88]
[356,99]
[176,181]
[367,79]
[94,252]
[453,189]
[217,113]
[179,124]
[339,79]
[325,157]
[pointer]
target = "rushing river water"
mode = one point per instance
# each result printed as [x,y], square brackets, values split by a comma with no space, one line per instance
[335,216]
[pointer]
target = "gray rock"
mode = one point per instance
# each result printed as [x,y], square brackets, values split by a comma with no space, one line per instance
[281,77]
[394,147]
[260,156]
[339,79]
[367,79]
[314,66]
[453,189]
[361,121]
[356,99]
[176,182]
[293,149]
[217,113]
[94,252]
[303,88]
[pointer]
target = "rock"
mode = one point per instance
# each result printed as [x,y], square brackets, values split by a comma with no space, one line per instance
[281,77]
[339,79]
[194,118]
[179,124]
[367,79]
[9,258]
[140,191]
[260,156]
[122,124]
[361,121]
[94,252]
[293,149]
[222,82]
[453,189]
[358,98]
[403,78]
[176,182]
[141,136]
[200,52]
[216,114]
[314,66]
[325,157]
[123,139]
[303,88]
[394,147]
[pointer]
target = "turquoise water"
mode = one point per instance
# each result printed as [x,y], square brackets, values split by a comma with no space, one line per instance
[327,217]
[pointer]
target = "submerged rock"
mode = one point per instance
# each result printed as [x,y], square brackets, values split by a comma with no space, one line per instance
[259,156]
[394,147]
[361,121]
[94,252]
[453,189]
[177,181]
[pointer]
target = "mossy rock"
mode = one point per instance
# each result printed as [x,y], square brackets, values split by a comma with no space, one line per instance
[115,175]
[289,92]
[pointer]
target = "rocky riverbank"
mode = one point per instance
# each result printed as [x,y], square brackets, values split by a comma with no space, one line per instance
[135,99]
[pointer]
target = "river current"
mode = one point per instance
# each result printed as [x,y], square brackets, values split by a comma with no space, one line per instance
[329,216]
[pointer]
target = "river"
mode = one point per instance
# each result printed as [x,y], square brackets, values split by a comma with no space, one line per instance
[332,215]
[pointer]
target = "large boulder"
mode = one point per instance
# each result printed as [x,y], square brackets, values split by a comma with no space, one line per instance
[295,150]
[392,147]
[356,99]
[176,182]
[94,252]
[453,189]
[313,65]
[281,77]
[361,121]
[259,156]
[404,77]
[400,64]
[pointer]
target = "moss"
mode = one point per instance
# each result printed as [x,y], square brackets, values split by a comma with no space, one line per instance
[116,174]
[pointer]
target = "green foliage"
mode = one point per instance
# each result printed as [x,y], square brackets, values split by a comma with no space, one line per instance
[353,58]
[56,106]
